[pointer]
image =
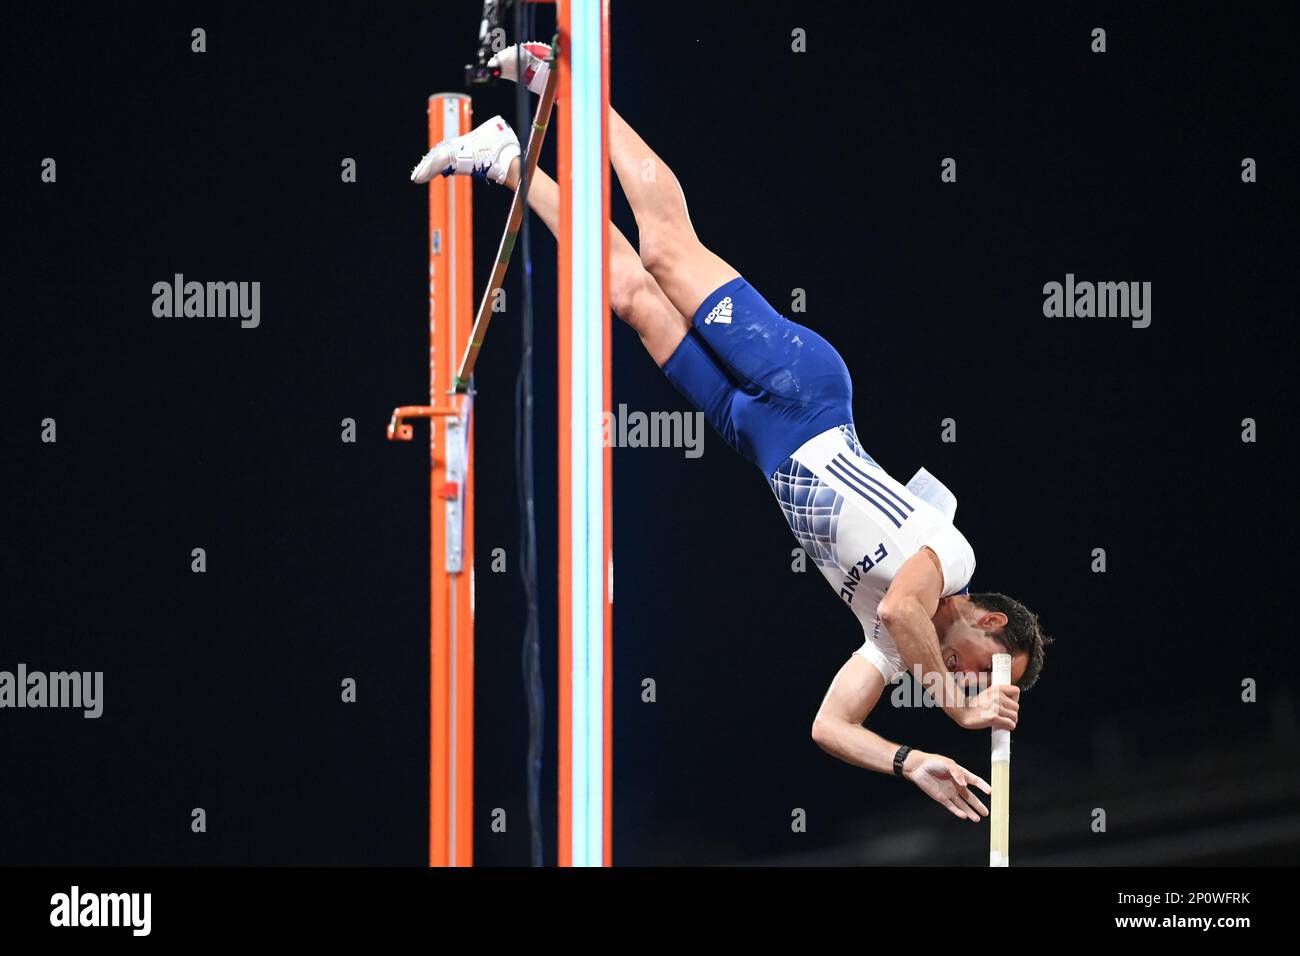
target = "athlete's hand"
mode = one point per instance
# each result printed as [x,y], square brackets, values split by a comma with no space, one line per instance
[997,707]
[948,784]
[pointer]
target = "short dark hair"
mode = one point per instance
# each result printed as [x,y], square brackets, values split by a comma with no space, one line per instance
[1022,632]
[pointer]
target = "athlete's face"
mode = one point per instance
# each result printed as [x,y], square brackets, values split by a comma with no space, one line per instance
[968,648]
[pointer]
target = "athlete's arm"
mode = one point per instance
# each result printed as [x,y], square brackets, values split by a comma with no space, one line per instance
[838,730]
[907,610]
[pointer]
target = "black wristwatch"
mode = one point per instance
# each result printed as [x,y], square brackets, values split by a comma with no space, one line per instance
[899,757]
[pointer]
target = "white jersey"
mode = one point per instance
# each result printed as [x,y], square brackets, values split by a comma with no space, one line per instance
[858,524]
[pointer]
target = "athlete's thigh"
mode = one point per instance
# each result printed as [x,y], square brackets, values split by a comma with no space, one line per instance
[768,352]
[686,269]
[642,304]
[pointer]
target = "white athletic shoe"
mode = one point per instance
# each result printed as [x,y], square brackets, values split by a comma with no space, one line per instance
[485,152]
[536,69]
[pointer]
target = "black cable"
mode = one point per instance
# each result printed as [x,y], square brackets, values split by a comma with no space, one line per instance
[534,689]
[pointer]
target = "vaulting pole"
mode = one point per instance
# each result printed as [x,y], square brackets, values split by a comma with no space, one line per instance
[1000,814]
[513,223]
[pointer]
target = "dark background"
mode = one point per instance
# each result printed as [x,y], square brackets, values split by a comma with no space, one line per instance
[817,171]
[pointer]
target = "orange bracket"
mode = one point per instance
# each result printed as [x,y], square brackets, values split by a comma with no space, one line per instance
[456,465]
[401,430]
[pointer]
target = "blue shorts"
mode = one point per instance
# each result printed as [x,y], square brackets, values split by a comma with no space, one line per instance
[765,383]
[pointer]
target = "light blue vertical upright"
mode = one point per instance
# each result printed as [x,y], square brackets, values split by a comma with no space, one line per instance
[587,464]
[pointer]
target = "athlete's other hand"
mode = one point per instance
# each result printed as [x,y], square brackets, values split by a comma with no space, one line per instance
[948,784]
[997,707]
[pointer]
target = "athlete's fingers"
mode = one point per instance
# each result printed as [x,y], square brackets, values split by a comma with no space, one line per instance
[961,810]
[980,782]
[975,803]
[1003,723]
[952,808]
[1001,698]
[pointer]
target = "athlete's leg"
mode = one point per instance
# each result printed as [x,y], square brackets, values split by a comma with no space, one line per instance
[491,151]
[760,347]
[685,269]
[634,295]
[636,298]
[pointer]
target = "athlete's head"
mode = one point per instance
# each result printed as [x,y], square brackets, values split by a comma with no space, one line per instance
[974,627]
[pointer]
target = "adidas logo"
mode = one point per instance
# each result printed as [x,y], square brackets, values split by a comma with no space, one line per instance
[721,313]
